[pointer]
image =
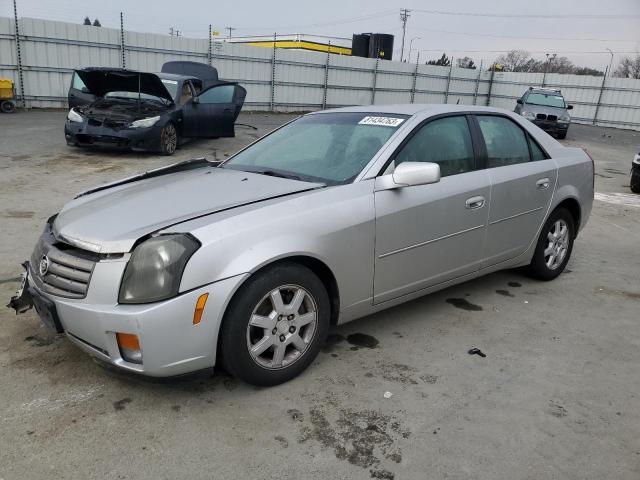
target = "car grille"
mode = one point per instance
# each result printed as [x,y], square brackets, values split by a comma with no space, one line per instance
[552,118]
[68,270]
[541,116]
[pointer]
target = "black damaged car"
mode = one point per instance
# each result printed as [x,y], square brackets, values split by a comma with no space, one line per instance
[151,111]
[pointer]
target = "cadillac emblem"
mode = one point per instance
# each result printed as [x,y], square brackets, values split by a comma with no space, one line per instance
[44,265]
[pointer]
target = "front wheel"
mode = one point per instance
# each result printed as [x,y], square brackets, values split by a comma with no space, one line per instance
[554,246]
[275,325]
[634,184]
[168,139]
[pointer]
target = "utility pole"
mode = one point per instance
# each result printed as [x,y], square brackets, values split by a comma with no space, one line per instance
[231,29]
[404,16]
[610,61]
[174,32]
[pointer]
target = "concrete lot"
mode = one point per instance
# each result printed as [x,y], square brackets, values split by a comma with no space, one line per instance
[557,396]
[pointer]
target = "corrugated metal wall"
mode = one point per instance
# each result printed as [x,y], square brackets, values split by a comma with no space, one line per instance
[287,80]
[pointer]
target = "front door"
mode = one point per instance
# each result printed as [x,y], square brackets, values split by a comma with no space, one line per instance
[429,234]
[214,111]
[523,179]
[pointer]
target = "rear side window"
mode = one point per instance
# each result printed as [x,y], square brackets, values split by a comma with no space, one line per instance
[445,141]
[536,152]
[506,142]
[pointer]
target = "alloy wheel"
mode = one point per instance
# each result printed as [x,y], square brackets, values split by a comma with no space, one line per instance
[169,138]
[557,244]
[282,326]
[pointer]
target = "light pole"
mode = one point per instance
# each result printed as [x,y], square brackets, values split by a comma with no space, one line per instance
[610,61]
[411,46]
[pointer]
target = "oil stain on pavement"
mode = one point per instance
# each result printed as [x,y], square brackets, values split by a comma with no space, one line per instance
[464,304]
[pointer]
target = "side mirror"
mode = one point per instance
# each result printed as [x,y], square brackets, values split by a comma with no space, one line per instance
[569,107]
[519,101]
[408,174]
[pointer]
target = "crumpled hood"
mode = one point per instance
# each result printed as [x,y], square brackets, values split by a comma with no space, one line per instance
[112,220]
[101,81]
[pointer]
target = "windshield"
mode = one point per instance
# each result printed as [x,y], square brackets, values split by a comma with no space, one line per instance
[546,100]
[330,148]
[134,96]
[171,86]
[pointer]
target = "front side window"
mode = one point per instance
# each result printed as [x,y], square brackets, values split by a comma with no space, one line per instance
[445,141]
[221,94]
[330,148]
[78,84]
[506,142]
[536,152]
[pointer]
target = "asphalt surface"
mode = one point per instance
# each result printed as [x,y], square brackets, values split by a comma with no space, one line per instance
[556,397]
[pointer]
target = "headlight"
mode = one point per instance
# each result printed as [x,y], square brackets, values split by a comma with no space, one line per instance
[74,116]
[145,122]
[636,160]
[155,269]
[564,117]
[528,115]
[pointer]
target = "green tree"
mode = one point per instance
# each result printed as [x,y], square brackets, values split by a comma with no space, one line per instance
[443,61]
[96,23]
[87,21]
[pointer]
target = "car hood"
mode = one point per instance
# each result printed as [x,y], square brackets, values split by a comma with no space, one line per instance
[111,220]
[529,107]
[101,81]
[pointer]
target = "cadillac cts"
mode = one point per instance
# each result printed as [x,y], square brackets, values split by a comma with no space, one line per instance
[334,216]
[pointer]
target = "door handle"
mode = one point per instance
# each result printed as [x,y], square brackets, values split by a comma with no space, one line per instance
[542,184]
[474,202]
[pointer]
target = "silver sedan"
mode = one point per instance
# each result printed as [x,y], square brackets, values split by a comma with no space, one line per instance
[334,216]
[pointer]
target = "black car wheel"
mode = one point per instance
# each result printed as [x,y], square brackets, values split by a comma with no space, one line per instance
[635,181]
[554,246]
[7,106]
[168,139]
[275,325]
[562,135]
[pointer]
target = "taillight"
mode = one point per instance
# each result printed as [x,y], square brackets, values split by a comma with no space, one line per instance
[593,167]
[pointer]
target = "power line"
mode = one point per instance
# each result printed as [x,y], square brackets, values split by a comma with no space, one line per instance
[342,21]
[524,15]
[404,16]
[231,29]
[529,51]
[470,34]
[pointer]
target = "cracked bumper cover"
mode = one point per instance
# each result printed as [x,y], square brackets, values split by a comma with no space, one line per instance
[84,134]
[170,343]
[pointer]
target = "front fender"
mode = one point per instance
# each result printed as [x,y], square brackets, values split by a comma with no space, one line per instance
[333,225]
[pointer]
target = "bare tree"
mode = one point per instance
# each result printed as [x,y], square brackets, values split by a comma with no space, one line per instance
[517,61]
[629,67]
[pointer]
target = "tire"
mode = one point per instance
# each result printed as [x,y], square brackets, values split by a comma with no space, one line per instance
[562,135]
[7,106]
[634,184]
[168,139]
[556,240]
[252,318]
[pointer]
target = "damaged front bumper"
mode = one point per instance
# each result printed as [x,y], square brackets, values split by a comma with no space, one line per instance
[84,134]
[171,344]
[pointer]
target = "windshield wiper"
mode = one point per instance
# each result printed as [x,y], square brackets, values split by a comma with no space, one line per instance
[273,173]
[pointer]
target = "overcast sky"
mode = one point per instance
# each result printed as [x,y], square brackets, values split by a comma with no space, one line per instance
[580,25]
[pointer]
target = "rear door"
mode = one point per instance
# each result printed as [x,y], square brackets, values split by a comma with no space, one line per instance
[79,94]
[523,178]
[214,112]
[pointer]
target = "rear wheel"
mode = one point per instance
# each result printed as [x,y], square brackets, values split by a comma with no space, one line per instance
[275,325]
[7,106]
[554,246]
[168,139]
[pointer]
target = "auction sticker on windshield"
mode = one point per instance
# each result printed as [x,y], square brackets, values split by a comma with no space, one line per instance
[381,121]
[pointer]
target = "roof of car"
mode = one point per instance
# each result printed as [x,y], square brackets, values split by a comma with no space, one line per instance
[414,108]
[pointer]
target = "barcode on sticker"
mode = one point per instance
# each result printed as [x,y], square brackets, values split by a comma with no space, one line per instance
[381,121]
